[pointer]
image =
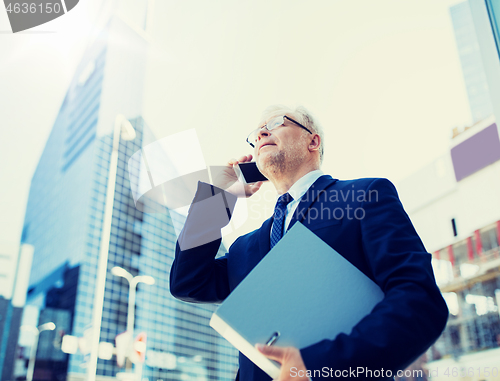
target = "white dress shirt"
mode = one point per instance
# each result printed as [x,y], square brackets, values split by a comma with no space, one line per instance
[297,190]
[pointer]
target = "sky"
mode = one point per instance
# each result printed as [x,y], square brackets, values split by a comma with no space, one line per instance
[382,77]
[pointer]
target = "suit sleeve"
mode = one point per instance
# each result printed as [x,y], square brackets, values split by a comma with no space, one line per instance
[196,276]
[412,314]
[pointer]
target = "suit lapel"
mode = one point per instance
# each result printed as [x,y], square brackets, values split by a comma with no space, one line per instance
[310,196]
[265,237]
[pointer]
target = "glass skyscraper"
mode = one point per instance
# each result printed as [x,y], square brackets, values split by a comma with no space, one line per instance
[493,8]
[471,62]
[64,223]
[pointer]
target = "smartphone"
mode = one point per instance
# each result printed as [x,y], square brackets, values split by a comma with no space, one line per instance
[249,173]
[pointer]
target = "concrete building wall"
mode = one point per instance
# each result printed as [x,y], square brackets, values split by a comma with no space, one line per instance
[433,197]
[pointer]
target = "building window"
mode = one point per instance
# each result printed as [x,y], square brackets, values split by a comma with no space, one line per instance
[454,227]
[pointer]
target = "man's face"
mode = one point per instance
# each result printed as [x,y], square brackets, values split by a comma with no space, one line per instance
[281,149]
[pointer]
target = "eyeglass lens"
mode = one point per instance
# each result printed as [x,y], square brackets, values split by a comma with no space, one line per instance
[271,125]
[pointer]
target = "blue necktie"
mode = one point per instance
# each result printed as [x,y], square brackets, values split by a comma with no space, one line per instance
[279,218]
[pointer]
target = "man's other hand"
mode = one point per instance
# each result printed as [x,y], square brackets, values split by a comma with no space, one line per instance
[227,179]
[292,365]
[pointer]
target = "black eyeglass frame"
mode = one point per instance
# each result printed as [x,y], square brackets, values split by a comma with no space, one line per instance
[265,126]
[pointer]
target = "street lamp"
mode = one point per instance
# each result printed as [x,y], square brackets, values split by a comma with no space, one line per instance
[36,331]
[132,284]
[124,129]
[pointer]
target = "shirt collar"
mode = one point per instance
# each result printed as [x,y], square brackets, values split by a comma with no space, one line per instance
[300,187]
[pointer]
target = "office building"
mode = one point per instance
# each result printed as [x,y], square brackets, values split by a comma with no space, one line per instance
[486,18]
[455,208]
[15,264]
[64,220]
[471,62]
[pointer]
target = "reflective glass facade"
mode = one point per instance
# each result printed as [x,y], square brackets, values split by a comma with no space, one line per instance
[493,7]
[471,62]
[64,223]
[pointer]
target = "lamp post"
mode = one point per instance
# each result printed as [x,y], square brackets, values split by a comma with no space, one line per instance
[132,284]
[36,331]
[124,129]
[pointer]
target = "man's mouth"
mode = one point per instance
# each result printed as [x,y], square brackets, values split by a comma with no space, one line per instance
[265,145]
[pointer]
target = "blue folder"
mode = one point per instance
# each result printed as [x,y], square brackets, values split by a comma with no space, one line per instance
[300,293]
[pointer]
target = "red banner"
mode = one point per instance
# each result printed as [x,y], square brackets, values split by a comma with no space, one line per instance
[479,243]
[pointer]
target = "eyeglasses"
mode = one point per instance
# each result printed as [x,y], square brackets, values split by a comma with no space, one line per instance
[271,125]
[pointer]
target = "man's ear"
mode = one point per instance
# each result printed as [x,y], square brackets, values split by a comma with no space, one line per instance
[315,143]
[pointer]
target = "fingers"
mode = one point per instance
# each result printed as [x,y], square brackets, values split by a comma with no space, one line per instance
[253,188]
[258,184]
[272,352]
[245,158]
[242,159]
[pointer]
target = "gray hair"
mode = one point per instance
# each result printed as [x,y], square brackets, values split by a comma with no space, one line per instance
[301,115]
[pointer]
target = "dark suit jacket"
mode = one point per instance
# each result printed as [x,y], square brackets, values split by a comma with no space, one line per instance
[365,222]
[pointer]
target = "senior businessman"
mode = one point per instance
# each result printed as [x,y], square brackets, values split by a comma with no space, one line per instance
[362,219]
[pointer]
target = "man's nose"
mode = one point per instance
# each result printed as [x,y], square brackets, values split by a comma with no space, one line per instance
[262,133]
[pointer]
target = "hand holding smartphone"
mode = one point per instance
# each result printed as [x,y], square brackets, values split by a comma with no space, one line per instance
[249,173]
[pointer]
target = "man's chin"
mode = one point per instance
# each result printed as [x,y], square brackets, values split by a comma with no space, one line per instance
[269,168]
[262,165]
[270,163]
